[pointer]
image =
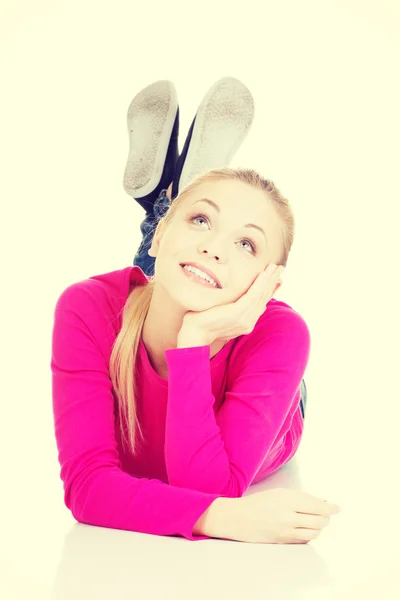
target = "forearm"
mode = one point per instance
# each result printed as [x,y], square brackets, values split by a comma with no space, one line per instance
[195,455]
[217,521]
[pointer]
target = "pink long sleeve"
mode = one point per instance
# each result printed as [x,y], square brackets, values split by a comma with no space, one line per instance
[96,489]
[212,429]
[221,453]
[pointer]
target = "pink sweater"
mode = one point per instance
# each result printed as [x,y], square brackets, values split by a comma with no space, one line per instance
[212,429]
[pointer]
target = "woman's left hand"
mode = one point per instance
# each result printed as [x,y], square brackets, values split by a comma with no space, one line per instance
[228,321]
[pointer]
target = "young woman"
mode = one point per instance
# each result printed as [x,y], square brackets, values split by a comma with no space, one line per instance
[187,348]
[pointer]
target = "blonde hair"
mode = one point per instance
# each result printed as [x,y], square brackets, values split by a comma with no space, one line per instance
[124,353]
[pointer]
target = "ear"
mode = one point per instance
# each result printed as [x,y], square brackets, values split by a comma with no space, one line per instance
[278,285]
[155,242]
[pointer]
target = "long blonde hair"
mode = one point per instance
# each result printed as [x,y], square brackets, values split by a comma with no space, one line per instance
[125,348]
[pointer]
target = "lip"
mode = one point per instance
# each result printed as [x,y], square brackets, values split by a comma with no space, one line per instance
[202,268]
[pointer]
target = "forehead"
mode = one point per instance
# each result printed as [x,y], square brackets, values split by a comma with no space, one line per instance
[236,201]
[229,190]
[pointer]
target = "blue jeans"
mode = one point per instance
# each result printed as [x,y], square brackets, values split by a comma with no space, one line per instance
[148,227]
[146,262]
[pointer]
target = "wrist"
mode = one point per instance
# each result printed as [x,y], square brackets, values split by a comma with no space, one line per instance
[188,338]
[217,521]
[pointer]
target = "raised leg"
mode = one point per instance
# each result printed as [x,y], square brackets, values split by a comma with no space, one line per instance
[147,227]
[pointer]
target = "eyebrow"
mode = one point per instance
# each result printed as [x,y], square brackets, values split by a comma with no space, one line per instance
[217,208]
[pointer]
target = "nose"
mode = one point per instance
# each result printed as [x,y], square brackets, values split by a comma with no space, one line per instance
[208,253]
[212,248]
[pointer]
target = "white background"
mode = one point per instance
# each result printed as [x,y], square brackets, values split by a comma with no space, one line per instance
[325,79]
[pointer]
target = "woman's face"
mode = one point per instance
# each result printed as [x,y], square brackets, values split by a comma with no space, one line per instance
[217,238]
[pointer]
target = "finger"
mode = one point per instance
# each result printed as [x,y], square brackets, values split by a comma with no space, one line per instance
[264,281]
[267,273]
[278,272]
[272,269]
[301,520]
[270,276]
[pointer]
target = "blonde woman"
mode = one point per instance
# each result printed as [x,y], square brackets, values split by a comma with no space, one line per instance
[178,382]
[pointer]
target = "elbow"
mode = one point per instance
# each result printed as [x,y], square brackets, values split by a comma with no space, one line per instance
[73,503]
[80,498]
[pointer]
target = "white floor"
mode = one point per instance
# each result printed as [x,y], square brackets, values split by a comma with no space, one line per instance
[324,79]
[46,554]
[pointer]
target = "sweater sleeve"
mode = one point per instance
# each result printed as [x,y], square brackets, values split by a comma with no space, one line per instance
[221,453]
[96,490]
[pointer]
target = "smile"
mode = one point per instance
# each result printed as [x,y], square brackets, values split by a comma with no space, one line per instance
[198,279]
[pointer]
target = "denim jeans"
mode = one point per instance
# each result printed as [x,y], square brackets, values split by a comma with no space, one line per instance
[146,262]
[148,227]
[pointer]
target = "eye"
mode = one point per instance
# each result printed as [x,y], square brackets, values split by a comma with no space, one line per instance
[201,216]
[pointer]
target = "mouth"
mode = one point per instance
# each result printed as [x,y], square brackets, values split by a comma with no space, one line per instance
[197,279]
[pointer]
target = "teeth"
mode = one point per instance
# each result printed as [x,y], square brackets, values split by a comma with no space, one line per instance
[200,273]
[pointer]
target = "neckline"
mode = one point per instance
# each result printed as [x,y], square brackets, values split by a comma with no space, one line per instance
[214,361]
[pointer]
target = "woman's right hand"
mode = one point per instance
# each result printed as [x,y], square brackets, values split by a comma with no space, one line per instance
[280,516]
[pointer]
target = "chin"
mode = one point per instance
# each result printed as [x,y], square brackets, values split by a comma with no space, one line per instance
[195,301]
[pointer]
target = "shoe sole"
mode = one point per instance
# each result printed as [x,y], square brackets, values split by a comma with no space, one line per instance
[150,119]
[214,139]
